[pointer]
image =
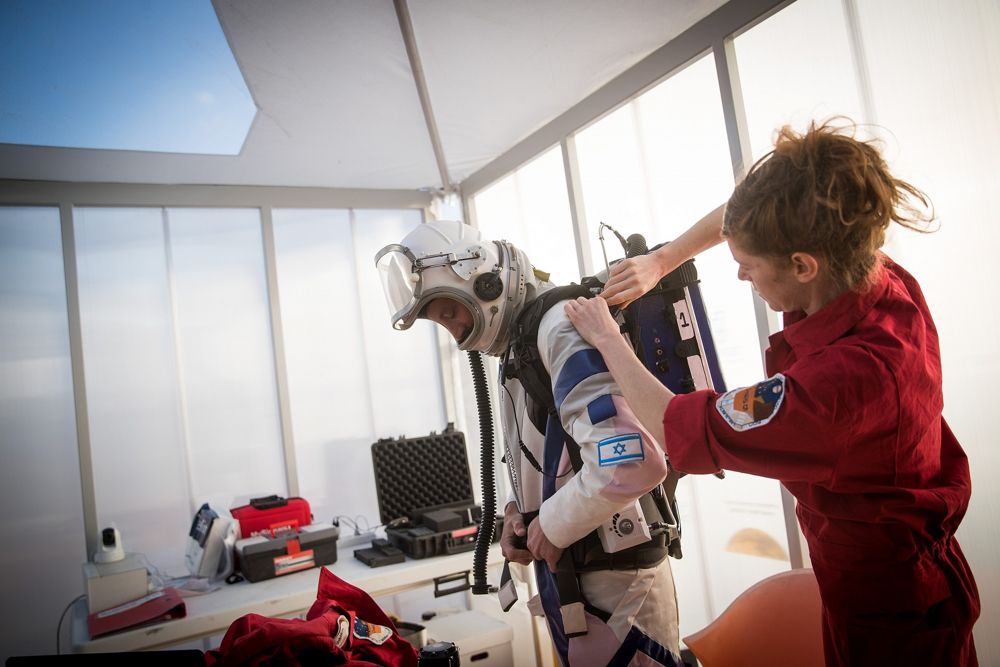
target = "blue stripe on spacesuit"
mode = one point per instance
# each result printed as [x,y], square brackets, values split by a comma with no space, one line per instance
[549,595]
[638,642]
[555,441]
[601,408]
[580,366]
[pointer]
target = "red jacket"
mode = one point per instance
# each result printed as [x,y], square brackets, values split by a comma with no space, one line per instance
[850,422]
[343,627]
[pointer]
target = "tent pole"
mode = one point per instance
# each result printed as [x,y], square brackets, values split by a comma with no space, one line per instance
[406,28]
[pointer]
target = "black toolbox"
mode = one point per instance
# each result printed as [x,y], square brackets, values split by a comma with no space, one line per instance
[262,557]
[425,495]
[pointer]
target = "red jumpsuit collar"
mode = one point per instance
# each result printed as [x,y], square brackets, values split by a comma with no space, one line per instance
[807,333]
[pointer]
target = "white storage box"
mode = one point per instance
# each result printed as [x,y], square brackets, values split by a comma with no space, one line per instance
[110,584]
[482,640]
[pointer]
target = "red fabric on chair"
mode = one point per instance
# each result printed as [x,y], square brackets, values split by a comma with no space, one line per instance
[343,627]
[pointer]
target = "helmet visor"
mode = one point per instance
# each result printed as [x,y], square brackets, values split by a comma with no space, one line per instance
[400,284]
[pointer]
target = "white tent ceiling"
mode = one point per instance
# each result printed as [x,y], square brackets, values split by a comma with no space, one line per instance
[338,105]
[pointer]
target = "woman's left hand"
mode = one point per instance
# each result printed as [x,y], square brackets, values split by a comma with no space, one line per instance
[593,320]
[631,278]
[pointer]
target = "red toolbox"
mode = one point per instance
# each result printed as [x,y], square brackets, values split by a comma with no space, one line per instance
[271,515]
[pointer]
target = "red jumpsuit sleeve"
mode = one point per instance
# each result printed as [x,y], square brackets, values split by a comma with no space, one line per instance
[803,424]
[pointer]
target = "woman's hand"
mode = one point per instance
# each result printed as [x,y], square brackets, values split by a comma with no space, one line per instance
[593,320]
[631,278]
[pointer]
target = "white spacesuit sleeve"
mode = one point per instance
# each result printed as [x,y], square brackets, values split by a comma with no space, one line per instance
[621,460]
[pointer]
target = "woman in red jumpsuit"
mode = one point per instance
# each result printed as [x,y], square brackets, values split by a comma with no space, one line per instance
[850,417]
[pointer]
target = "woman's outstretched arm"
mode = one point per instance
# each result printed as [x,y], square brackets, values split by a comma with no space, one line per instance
[645,394]
[633,277]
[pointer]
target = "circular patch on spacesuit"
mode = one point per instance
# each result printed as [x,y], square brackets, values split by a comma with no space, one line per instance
[753,406]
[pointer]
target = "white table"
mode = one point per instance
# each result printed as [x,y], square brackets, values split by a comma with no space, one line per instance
[288,595]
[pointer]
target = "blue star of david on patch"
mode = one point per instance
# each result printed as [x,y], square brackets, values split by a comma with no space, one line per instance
[620,449]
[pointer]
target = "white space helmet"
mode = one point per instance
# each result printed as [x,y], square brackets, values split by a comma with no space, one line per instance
[450,259]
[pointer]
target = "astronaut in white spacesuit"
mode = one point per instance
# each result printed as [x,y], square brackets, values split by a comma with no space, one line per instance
[623,610]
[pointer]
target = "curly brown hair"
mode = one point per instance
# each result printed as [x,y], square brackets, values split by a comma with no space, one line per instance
[827,193]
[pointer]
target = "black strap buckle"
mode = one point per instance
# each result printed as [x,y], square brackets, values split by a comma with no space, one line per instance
[462,577]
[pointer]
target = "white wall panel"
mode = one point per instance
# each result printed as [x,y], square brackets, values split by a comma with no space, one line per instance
[352,378]
[403,367]
[530,209]
[224,354]
[796,67]
[39,463]
[133,394]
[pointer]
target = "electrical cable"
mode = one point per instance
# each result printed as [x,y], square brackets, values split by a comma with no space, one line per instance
[62,616]
[621,239]
[158,578]
[186,584]
[520,443]
[355,523]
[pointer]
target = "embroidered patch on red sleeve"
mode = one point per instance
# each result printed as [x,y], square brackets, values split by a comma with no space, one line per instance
[750,407]
[373,632]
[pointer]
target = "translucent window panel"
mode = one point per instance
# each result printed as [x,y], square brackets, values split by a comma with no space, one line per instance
[331,411]
[329,383]
[224,353]
[660,163]
[935,76]
[614,181]
[689,171]
[795,67]
[352,378]
[404,367]
[39,462]
[530,208]
[133,397]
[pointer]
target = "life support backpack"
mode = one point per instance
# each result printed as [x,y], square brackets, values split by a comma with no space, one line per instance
[522,361]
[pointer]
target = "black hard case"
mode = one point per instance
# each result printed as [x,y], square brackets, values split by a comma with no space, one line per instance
[425,493]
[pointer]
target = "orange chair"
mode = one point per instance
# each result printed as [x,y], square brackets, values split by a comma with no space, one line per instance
[777,621]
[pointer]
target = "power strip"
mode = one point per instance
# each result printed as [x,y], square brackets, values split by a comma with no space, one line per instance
[350,540]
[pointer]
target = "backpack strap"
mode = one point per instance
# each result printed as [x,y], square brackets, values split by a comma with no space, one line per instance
[670,517]
[522,360]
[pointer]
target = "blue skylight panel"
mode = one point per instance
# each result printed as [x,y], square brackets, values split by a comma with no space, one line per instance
[145,75]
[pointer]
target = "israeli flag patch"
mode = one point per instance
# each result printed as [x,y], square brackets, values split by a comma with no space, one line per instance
[620,449]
